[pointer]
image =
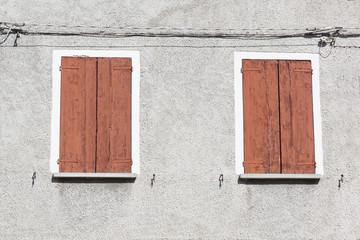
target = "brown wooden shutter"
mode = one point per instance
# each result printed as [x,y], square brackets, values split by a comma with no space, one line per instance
[77,115]
[103,115]
[296,117]
[261,116]
[114,115]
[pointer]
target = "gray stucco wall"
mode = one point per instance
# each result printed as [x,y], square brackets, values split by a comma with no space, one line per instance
[187,128]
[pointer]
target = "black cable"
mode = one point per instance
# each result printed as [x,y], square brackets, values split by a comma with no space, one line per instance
[167,46]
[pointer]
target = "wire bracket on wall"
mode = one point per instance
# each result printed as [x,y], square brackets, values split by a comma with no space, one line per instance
[11,27]
[328,38]
[324,40]
[17,37]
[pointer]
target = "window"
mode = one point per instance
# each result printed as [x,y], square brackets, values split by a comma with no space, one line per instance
[279,114]
[95,121]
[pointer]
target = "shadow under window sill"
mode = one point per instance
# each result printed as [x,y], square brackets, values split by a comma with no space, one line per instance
[279,178]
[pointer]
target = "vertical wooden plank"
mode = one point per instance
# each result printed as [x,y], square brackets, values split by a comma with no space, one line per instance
[72,115]
[90,114]
[103,115]
[120,128]
[261,116]
[296,117]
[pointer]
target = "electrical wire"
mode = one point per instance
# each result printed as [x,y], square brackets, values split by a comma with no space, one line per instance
[184,28]
[161,34]
[173,32]
[346,46]
[246,35]
[167,46]
[167,28]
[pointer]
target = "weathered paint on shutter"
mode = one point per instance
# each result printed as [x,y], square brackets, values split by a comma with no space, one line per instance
[261,116]
[103,116]
[77,115]
[296,117]
[120,134]
[114,115]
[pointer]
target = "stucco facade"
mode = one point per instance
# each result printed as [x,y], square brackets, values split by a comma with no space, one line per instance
[186,123]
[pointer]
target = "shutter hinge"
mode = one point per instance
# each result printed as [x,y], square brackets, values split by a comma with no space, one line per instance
[68,67]
[57,161]
[123,68]
[261,162]
[304,70]
[250,69]
[314,163]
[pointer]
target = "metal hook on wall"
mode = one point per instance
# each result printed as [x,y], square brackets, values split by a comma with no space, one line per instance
[221,180]
[153,180]
[33,179]
[341,180]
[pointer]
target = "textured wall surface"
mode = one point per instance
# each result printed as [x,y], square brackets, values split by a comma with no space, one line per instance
[187,127]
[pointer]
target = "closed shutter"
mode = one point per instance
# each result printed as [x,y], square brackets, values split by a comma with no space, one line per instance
[77,115]
[278,117]
[297,129]
[261,116]
[114,115]
[120,134]
[95,123]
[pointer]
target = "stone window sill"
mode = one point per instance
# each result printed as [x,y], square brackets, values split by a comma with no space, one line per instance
[95,175]
[280,176]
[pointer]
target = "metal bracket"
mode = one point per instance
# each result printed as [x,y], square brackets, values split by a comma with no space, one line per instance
[67,67]
[16,38]
[250,69]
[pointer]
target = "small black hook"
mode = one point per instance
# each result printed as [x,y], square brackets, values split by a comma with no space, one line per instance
[221,179]
[341,180]
[153,180]
[33,178]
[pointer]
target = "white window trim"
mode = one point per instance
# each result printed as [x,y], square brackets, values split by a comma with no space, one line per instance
[135,101]
[239,117]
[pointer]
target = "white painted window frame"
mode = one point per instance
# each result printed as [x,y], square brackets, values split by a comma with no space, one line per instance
[135,101]
[239,116]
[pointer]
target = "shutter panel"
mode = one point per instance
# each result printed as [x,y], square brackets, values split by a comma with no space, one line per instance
[296,117]
[103,116]
[120,134]
[261,116]
[114,115]
[77,115]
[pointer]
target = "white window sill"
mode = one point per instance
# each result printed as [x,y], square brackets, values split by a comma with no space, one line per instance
[94,175]
[280,176]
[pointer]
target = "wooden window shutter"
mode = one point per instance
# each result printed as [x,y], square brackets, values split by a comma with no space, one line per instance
[261,116]
[114,115]
[77,115]
[95,115]
[278,117]
[296,117]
